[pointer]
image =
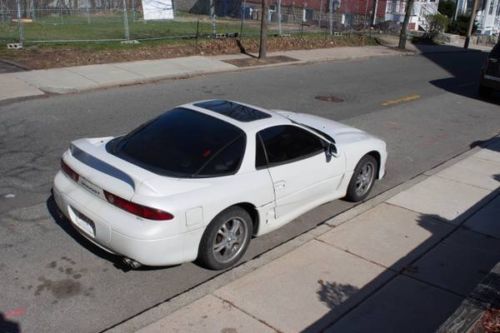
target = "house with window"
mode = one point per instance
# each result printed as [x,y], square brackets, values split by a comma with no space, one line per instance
[346,12]
[487,17]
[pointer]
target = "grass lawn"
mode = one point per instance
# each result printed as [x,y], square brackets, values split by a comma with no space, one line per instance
[110,26]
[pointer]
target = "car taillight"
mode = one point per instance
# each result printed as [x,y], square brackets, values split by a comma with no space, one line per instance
[70,172]
[136,209]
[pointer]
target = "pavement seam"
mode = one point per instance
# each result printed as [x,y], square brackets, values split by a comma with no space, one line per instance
[247,313]
[486,159]
[437,218]
[117,66]
[459,182]
[432,284]
[357,255]
[479,232]
[80,74]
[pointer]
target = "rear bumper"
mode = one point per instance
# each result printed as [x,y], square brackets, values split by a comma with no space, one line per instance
[93,218]
[490,81]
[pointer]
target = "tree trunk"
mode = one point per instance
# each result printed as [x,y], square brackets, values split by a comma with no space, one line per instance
[471,24]
[263,30]
[404,28]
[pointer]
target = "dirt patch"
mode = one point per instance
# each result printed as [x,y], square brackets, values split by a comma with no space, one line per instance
[43,57]
[247,62]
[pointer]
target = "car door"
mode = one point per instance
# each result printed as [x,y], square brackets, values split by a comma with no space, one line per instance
[301,171]
[493,66]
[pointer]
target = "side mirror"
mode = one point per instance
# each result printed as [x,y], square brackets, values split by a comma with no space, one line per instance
[331,151]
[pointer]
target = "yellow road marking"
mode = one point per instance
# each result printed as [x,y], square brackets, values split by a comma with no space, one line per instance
[401,100]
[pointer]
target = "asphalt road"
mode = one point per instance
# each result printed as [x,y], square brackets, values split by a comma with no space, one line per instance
[53,281]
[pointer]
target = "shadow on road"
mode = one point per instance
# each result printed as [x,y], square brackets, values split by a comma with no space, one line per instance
[8,326]
[422,289]
[465,67]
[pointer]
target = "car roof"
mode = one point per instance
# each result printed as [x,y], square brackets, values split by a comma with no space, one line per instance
[248,117]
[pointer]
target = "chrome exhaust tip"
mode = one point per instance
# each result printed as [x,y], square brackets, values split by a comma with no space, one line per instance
[131,263]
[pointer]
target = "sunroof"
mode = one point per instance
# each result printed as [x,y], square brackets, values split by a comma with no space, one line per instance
[233,110]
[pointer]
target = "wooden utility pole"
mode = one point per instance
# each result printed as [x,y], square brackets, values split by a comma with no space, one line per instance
[471,24]
[403,35]
[263,30]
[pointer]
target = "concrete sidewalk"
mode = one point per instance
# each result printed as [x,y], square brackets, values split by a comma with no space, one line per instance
[82,78]
[400,262]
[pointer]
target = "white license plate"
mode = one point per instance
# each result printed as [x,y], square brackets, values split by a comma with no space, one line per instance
[91,187]
[84,223]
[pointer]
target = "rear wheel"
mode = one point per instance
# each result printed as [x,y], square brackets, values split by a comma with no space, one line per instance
[485,91]
[362,179]
[226,239]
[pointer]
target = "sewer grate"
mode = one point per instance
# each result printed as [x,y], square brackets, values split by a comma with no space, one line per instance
[331,98]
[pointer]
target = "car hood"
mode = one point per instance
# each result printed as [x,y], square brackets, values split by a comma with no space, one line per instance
[341,133]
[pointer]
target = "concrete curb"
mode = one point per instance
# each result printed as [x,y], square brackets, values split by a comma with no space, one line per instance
[160,78]
[177,302]
[79,79]
[213,65]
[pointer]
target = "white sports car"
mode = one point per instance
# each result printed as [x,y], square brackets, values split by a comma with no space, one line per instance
[199,181]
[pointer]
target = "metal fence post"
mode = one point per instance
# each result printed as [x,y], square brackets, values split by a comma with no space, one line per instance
[279,18]
[33,12]
[331,17]
[320,13]
[133,11]
[20,23]
[87,8]
[243,13]
[125,20]
[212,16]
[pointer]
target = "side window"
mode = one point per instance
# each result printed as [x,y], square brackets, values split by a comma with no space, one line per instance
[260,155]
[225,162]
[287,143]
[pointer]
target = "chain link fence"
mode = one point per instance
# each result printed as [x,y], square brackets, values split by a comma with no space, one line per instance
[56,21]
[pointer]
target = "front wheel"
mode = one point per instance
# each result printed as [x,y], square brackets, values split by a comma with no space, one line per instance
[226,239]
[485,92]
[362,179]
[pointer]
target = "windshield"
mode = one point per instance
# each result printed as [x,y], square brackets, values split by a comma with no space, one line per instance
[323,134]
[183,143]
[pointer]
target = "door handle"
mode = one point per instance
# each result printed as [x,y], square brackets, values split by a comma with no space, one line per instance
[279,185]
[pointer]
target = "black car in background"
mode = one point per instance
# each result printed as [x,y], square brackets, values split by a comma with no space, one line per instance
[490,73]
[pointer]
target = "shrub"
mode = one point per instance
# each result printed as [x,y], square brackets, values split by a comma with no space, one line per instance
[437,24]
[460,25]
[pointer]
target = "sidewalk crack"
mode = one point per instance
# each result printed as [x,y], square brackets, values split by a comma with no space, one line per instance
[80,74]
[357,255]
[247,313]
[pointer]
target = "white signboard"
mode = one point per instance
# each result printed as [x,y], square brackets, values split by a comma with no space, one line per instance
[157,9]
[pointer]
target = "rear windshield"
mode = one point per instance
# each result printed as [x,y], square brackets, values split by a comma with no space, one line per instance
[183,143]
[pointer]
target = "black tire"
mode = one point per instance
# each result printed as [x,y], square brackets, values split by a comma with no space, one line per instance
[214,238]
[484,92]
[359,186]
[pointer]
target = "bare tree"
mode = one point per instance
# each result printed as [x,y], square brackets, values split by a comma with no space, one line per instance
[263,30]
[404,28]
